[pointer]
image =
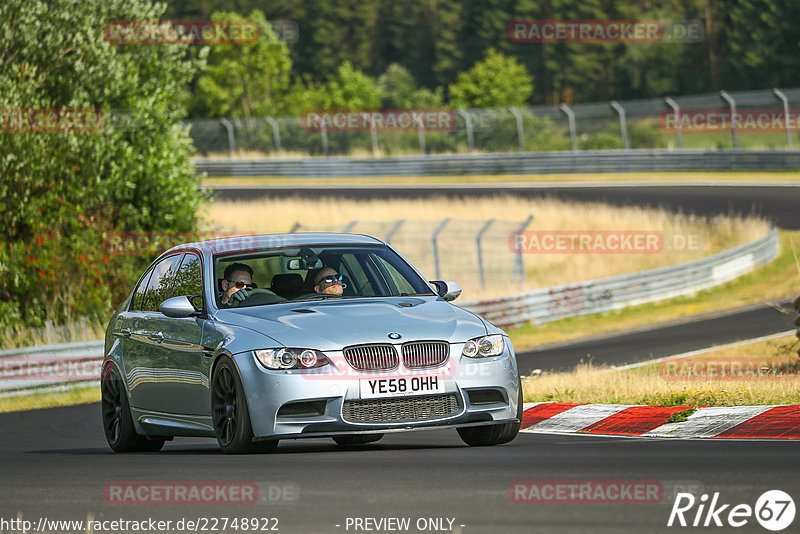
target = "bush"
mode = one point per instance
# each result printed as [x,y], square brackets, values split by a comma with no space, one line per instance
[61,190]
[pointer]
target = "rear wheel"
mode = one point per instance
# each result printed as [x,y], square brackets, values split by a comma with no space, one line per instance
[356,439]
[117,420]
[483,436]
[230,415]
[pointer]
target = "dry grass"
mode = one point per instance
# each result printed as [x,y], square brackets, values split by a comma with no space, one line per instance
[657,385]
[457,240]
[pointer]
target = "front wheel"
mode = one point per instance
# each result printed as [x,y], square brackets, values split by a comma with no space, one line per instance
[484,436]
[230,415]
[117,420]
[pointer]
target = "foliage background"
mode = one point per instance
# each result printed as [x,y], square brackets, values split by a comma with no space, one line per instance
[60,192]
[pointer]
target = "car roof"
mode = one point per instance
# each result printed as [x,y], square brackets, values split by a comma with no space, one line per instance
[249,243]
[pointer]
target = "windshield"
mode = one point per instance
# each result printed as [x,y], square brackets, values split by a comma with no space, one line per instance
[310,273]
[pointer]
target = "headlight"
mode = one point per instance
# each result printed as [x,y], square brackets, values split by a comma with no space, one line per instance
[481,347]
[285,358]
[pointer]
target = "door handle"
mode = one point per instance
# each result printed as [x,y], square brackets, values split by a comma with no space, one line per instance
[157,337]
[123,332]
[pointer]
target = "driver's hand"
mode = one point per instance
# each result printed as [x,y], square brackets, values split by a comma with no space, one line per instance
[239,296]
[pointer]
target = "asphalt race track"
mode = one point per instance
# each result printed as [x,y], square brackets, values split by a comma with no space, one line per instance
[56,465]
[664,340]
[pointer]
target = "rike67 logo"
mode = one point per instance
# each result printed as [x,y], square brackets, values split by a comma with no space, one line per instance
[774,510]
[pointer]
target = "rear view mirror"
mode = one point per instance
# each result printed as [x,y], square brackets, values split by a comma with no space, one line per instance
[303,264]
[446,289]
[178,307]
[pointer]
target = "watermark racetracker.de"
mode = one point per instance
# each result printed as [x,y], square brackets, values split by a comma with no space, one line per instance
[50,120]
[200,493]
[381,120]
[605,31]
[603,242]
[196,32]
[720,120]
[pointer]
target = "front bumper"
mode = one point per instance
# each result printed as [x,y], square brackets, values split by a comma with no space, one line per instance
[335,392]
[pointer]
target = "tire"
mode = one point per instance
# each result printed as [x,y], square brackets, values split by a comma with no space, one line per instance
[117,420]
[230,415]
[356,439]
[486,436]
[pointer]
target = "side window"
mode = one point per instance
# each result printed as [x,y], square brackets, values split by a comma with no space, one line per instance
[189,280]
[161,284]
[138,297]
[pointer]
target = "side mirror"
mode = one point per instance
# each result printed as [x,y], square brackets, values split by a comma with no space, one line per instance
[178,307]
[446,289]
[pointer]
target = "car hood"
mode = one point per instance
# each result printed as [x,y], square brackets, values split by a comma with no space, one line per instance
[331,325]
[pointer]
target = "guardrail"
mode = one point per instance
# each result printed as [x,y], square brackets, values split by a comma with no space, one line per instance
[616,292]
[49,367]
[68,365]
[641,160]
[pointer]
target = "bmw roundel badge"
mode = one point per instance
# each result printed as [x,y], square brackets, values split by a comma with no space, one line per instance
[394,335]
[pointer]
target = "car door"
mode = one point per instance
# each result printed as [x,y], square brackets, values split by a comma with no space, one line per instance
[183,386]
[142,327]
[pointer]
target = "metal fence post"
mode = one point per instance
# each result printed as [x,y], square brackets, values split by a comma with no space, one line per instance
[421,132]
[623,124]
[373,133]
[677,110]
[782,97]
[394,230]
[468,124]
[324,132]
[573,135]
[231,140]
[435,246]
[478,238]
[734,130]
[520,131]
[276,134]
[518,271]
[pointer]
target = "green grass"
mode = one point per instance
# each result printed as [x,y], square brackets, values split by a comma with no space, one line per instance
[36,401]
[680,417]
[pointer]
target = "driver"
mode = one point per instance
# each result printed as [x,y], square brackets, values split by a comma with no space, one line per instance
[236,284]
[328,281]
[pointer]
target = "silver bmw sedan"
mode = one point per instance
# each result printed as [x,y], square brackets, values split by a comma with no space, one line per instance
[255,339]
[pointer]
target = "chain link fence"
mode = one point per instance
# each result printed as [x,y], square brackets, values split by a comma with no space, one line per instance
[624,124]
[473,252]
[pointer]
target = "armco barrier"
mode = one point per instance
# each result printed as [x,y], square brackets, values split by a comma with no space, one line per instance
[594,296]
[66,365]
[641,160]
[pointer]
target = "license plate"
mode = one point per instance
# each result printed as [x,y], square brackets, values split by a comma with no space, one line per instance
[400,387]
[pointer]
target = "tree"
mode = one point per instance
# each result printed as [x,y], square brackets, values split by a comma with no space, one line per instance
[244,80]
[764,47]
[400,91]
[60,190]
[348,89]
[496,81]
